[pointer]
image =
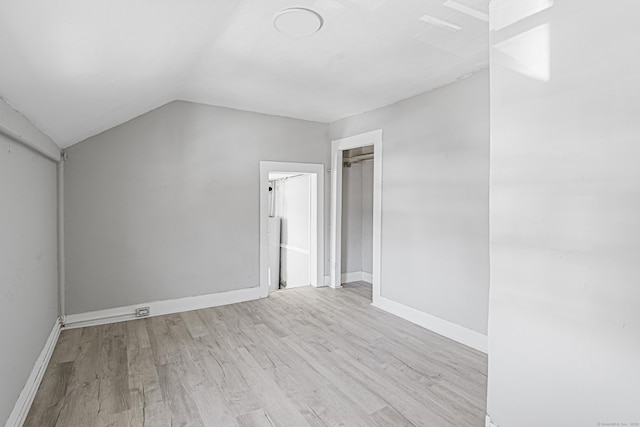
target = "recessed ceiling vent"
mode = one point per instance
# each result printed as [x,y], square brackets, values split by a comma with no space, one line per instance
[298,22]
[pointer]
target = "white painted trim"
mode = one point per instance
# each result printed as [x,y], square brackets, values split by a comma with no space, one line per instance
[356,276]
[158,308]
[440,326]
[337,147]
[60,234]
[28,393]
[488,423]
[294,249]
[316,258]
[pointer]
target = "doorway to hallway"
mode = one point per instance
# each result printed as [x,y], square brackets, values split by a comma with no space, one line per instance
[290,230]
[297,195]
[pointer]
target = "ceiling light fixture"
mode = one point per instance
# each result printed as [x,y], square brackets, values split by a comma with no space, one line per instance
[298,21]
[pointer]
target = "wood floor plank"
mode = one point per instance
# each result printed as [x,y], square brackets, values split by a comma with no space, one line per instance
[136,333]
[275,403]
[52,392]
[67,346]
[302,357]
[213,408]
[195,324]
[182,405]
[257,418]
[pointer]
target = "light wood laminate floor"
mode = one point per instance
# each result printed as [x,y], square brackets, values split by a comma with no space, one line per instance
[302,357]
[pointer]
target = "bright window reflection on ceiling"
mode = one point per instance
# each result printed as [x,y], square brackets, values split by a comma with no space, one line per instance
[507,12]
[528,53]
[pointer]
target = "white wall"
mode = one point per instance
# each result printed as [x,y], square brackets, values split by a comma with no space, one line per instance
[166,205]
[28,254]
[564,329]
[435,201]
[357,218]
[293,205]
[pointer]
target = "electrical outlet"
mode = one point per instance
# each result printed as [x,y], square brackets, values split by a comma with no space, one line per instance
[142,311]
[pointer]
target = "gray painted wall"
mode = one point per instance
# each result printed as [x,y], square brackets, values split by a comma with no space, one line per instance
[357,218]
[16,123]
[564,326]
[352,219]
[28,255]
[435,199]
[367,217]
[166,205]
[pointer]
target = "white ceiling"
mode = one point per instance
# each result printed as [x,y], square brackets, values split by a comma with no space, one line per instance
[78,67]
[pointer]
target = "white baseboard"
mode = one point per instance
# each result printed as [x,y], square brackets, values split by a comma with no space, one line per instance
[354,276]
[28,393]
[357,276]
[158,308]
[440,326]
[488,423]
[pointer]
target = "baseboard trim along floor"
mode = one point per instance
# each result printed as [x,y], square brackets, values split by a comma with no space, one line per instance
[357,276]
[158,308]
[435,324]
[28,393]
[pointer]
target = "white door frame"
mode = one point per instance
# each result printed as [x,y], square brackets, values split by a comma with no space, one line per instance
[337,147]
[316,246]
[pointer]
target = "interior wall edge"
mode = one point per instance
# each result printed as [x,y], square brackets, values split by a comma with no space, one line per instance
[60,235]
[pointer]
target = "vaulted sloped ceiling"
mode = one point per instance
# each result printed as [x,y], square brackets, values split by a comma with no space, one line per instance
[78,67]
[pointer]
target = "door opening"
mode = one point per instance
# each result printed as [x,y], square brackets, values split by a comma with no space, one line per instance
[338,147]
[357,215]
[301,212]
[290,230]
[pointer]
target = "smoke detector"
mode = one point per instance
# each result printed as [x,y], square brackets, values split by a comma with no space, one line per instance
[298,21]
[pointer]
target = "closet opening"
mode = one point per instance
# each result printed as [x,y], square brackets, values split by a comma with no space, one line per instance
[357,216]
[345,153]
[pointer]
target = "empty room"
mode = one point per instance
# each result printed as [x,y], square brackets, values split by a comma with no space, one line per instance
[319,213]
